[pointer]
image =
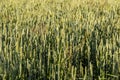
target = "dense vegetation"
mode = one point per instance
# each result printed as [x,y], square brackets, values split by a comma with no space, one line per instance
[59,40]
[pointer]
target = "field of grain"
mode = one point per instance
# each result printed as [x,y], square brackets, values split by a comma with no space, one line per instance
[59,40]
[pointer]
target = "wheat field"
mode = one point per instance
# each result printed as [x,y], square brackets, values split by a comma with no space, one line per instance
[59,40]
